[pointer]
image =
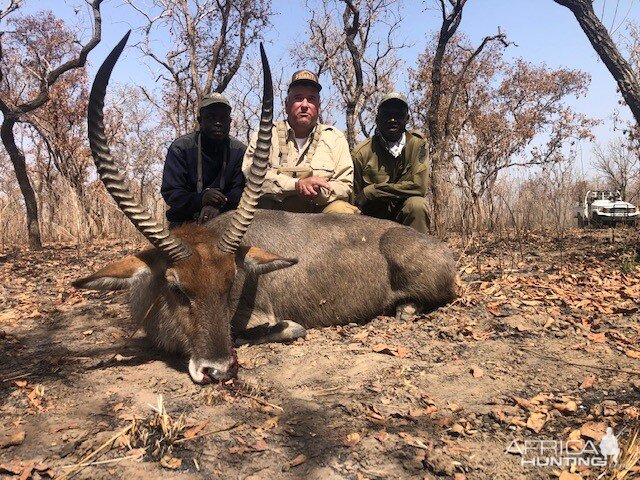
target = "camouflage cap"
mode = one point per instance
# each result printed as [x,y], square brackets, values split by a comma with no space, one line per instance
[397,96]
[304,77]
[213,98]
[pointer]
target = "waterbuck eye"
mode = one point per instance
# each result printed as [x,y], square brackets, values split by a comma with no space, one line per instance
[173,282]
[182,298]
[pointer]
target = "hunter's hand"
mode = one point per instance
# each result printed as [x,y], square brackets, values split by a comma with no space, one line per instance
[214,198]
[208,213]
[309,187]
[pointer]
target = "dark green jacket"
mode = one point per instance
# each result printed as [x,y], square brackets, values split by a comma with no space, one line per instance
[385,178]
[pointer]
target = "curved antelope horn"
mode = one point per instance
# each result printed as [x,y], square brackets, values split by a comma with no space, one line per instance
[110,175]
[243,216]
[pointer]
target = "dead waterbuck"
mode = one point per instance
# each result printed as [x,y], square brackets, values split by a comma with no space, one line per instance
[260,275]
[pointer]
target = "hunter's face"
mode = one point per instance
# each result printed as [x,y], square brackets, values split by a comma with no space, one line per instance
[302,107]
[392,119]
[215,121]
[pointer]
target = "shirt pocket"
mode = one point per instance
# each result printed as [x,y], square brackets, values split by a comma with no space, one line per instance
[371,176]
[421,167]
[322,167]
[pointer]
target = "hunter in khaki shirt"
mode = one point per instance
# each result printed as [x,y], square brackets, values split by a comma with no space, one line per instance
[310,168]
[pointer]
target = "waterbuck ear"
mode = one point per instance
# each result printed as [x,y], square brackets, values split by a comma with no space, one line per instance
[115,276]
[258,261]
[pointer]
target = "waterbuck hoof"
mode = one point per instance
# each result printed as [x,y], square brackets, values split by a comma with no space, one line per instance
[286,331]
[294,330]
[406,312]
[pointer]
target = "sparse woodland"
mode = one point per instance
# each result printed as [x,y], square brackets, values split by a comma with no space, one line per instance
[542,343]
[502,135]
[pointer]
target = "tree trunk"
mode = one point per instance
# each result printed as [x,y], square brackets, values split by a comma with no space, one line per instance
[20,167]
[477,213]
[351,125]
[608,52]
[437,142]
[440,174]
[350,32]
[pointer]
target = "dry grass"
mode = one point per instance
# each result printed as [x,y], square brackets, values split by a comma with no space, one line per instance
[87,460]
[239,388]
[217,394]
[627,466]
[158,433]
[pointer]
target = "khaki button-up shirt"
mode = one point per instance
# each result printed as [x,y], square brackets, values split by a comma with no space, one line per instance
[331,161]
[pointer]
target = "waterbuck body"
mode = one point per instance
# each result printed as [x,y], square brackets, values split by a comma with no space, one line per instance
[202,286]
[350,269]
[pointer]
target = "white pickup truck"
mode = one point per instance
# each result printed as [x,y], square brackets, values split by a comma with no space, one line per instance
[602,207]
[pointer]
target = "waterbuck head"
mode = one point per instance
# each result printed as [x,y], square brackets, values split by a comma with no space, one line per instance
[179,289]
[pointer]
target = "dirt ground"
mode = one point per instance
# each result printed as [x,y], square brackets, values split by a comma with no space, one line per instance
[543,344]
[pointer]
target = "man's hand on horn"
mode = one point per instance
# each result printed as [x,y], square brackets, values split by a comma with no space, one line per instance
[208,213]
[213,197]
[212,201]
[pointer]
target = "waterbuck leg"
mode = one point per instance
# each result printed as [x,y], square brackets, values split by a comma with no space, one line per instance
[282,332]
[406,311]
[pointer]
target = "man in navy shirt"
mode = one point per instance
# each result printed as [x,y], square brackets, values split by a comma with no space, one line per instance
[203,171]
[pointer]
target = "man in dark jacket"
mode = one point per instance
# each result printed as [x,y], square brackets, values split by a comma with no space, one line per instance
[391,168]
[203,171]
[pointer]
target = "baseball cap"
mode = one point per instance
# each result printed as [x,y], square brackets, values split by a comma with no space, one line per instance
[304,77]
[394,96]
[213,98]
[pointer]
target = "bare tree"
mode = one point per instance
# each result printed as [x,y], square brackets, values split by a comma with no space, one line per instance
[36,54]
[245,92]
[501,122]
[139,140]
[450,22]
[12,6]
[245,95]
[558,181]
[358,52]
[61,124]
[439,119]
[605,47]
[618,66]
[208,40]
[619,165]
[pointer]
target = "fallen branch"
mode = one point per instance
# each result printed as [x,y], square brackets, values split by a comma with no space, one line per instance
[235,389]
[16,377]
[206,434]
[259,400]
[83,463]
[111,460]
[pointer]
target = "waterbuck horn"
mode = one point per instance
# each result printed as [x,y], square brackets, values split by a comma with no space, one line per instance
[109,173]
[243,216]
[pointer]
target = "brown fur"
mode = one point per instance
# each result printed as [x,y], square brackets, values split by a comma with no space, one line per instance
[351,268]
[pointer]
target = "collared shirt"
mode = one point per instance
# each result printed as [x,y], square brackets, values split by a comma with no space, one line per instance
[300,142]
[381,177]
[394,148]
[331,161]
[180,176]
